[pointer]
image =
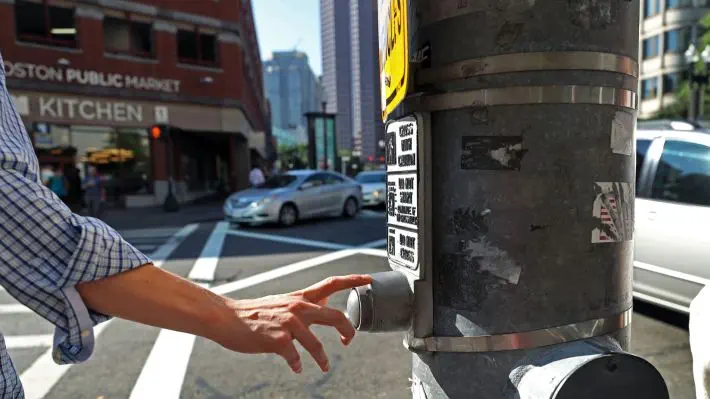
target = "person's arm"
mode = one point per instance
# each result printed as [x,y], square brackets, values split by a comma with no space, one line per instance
[152,296]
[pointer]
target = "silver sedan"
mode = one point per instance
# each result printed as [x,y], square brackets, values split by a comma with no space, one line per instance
[293,196]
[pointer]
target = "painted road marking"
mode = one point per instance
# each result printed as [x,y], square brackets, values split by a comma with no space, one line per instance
[206,265]
[164,371]
[373,252]
[14,308]
[28,341]
[43,374]
[288,240]
[282,271]
[375,244]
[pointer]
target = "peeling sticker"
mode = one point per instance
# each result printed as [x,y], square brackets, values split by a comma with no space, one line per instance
[493,260]
[622,133]
[591,14]
[492,153]
[508,34]
[417,388]
[613,211]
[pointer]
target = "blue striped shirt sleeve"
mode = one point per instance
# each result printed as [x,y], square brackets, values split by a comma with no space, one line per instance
[45,249]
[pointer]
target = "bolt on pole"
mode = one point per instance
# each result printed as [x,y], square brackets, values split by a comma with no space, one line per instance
[511,212]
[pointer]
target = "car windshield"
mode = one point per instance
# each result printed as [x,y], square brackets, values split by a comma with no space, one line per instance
[371,178]
[278,181]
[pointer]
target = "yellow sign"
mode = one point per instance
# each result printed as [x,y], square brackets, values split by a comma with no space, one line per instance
[394,57]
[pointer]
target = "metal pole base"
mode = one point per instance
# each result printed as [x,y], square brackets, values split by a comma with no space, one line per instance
[585,369]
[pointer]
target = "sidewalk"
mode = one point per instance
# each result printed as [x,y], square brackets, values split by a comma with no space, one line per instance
[143,218]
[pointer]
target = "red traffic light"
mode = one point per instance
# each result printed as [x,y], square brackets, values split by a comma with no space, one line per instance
[156,133]
[370,158]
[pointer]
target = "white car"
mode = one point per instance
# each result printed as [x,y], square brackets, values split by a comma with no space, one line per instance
[374,186]
[672,235]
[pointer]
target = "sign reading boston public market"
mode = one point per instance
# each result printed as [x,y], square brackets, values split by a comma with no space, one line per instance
[46,73]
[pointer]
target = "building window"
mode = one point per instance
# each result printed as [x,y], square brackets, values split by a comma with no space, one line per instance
[651,7]
[686,3]
[683,174]
[649,88]
[197,47]
[120,156]
[677,40]
[651,47]
[128,34]
[671,82]
[39,22]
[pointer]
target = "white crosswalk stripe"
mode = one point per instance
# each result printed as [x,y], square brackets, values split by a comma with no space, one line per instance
[148,240]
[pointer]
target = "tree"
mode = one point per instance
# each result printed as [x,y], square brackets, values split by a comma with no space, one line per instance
[293,156]
[679,109]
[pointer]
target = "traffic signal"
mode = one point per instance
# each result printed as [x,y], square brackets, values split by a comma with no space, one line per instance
[159,132]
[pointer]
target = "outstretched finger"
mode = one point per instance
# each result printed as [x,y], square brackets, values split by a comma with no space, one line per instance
[311,343]
[290,354]
[325,316]
[322,290]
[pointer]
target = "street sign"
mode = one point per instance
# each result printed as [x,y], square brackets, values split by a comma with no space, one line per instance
[402,193]
[402,200]
[161,114]
[403,247]
[401,145]
[394,53]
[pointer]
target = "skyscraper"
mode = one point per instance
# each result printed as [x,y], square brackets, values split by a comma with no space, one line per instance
[337,70]
[367,120]
[292,89]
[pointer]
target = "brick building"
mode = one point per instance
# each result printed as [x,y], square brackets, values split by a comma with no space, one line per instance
[91,77]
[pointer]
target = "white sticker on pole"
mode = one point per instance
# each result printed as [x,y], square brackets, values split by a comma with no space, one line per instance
[401,141]
[403,247]
[402,201]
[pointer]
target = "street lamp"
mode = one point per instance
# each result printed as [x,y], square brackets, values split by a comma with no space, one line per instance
[698,79]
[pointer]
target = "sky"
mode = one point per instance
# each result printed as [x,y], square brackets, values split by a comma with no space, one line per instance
[285,24]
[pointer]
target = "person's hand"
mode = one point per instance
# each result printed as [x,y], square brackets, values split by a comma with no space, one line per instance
[272,323]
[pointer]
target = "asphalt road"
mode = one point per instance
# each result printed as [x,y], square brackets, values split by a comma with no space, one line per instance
[134,361]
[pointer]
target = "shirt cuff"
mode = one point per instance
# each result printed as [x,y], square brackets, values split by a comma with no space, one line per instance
[101,252]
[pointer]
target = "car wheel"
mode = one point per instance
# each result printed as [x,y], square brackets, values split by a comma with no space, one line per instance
[350,208]
[288,215]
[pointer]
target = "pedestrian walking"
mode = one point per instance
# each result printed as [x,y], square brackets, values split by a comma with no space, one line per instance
[93,191]
[76,272]
[256,176]
[57,183]
[75,195]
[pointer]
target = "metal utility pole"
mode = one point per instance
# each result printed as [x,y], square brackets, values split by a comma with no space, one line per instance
[510,156]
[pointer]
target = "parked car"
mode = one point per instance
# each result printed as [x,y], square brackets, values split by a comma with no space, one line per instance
[374,187]
[295,195]
[672,236]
